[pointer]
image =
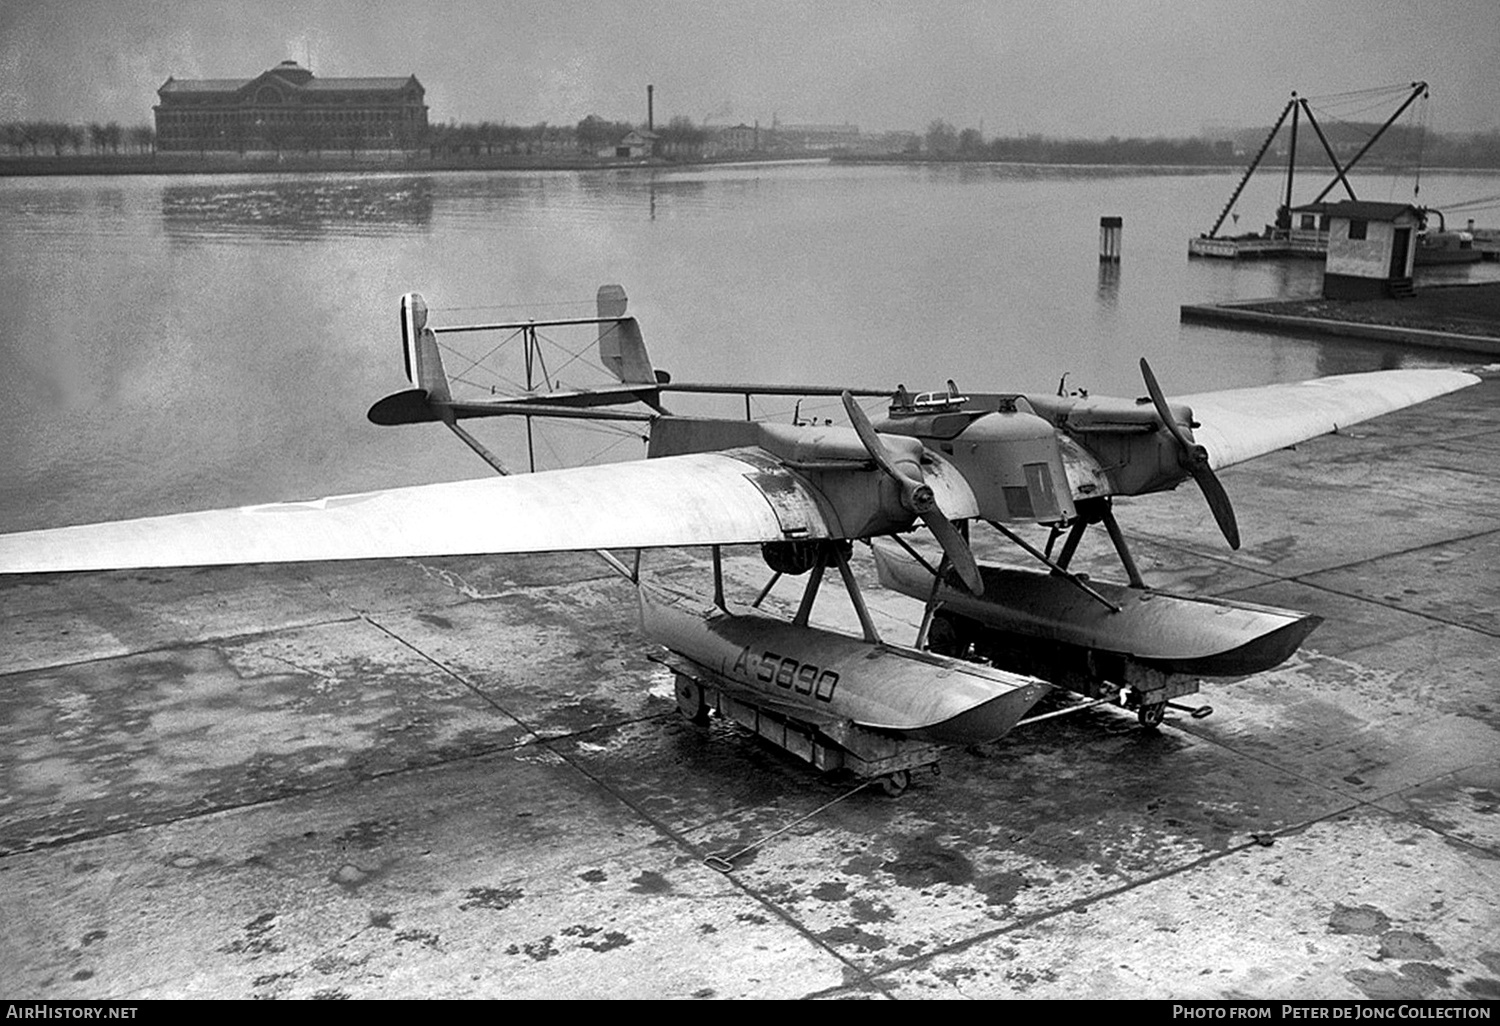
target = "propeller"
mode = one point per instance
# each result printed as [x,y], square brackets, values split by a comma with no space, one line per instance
[1194,459]
[917,497]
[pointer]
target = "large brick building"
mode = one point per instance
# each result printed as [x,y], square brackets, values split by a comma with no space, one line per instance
[287,108]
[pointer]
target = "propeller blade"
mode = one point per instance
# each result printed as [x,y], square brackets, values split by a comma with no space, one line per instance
[1162,409]
[956,549]
[871,439]
[1218,503]
[917,497]
[1194,459]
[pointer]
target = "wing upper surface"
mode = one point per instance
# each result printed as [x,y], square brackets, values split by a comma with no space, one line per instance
[698,499]
[1240,424]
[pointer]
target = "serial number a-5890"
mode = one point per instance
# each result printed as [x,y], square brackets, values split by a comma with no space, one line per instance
[785,672]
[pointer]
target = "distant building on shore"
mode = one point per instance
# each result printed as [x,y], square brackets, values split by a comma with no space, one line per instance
[288,108]
[636,144]
[740,138]
[816,138]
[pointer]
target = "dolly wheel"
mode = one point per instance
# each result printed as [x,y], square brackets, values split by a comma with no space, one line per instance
[1151,715]
[690,700]
[895,784]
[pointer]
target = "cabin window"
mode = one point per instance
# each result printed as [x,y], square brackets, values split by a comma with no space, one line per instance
[1358,228]
[1039,488]
[1309,221]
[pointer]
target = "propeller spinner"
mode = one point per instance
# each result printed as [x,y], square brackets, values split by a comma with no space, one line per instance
[1194,459]
[916,496]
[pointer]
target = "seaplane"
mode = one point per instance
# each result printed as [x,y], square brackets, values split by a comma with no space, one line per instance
[993,639]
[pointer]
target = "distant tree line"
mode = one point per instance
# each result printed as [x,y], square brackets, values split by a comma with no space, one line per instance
[53,138]
[488,138]
[590,136]
[1402,145]
[682,138]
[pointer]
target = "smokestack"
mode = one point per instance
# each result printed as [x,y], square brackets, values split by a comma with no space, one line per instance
[650,110]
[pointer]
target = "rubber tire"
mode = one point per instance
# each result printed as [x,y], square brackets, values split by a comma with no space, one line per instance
[1151,715]
[690,700]
[895,784]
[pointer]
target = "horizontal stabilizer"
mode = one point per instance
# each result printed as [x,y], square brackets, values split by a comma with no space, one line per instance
[408,407]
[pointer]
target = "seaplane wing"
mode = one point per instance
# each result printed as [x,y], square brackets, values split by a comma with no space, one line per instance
[1239,424]
[717,482]
[738,496]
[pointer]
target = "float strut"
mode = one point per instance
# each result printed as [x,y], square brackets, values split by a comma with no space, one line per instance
[1116,536]
[719,579]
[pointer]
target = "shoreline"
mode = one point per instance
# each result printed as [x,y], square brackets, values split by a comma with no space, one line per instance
[412,163]
[1454,317]
[394,163]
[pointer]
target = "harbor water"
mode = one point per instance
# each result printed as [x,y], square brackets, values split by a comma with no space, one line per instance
[187,342]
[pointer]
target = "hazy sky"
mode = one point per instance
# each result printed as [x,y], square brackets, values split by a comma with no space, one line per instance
[1061,67]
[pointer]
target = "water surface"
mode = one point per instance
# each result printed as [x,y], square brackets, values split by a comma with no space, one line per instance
[184,342]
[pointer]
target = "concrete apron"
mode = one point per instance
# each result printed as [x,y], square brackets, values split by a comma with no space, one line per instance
[464,778]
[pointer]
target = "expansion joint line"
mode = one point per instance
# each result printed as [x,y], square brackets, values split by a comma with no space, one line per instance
[447,671]
[178,646]
[678,838]
[1304,580]
[1351,804]
[537,737]
[1081,904]
[1356,801]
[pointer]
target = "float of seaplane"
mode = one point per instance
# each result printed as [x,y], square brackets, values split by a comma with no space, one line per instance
[993,641]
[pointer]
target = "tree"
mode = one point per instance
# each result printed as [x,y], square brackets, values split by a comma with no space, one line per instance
[590,133]
[681,134]
[941,139]
[143,137]
[15,136]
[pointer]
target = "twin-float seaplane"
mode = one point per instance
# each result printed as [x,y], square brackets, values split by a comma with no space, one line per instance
[994,639]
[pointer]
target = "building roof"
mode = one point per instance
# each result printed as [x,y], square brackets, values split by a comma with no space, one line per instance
[1368,210]
[291,74]
[320,84]
[202,85]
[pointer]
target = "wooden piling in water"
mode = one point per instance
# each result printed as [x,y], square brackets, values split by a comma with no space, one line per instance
[1110,230]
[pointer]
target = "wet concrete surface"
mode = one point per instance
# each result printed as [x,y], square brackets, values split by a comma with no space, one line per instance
[465,778]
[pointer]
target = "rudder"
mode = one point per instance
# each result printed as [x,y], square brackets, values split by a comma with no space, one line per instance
[424,364]
[622,350]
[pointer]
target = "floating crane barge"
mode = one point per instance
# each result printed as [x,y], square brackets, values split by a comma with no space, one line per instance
[1283,239]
